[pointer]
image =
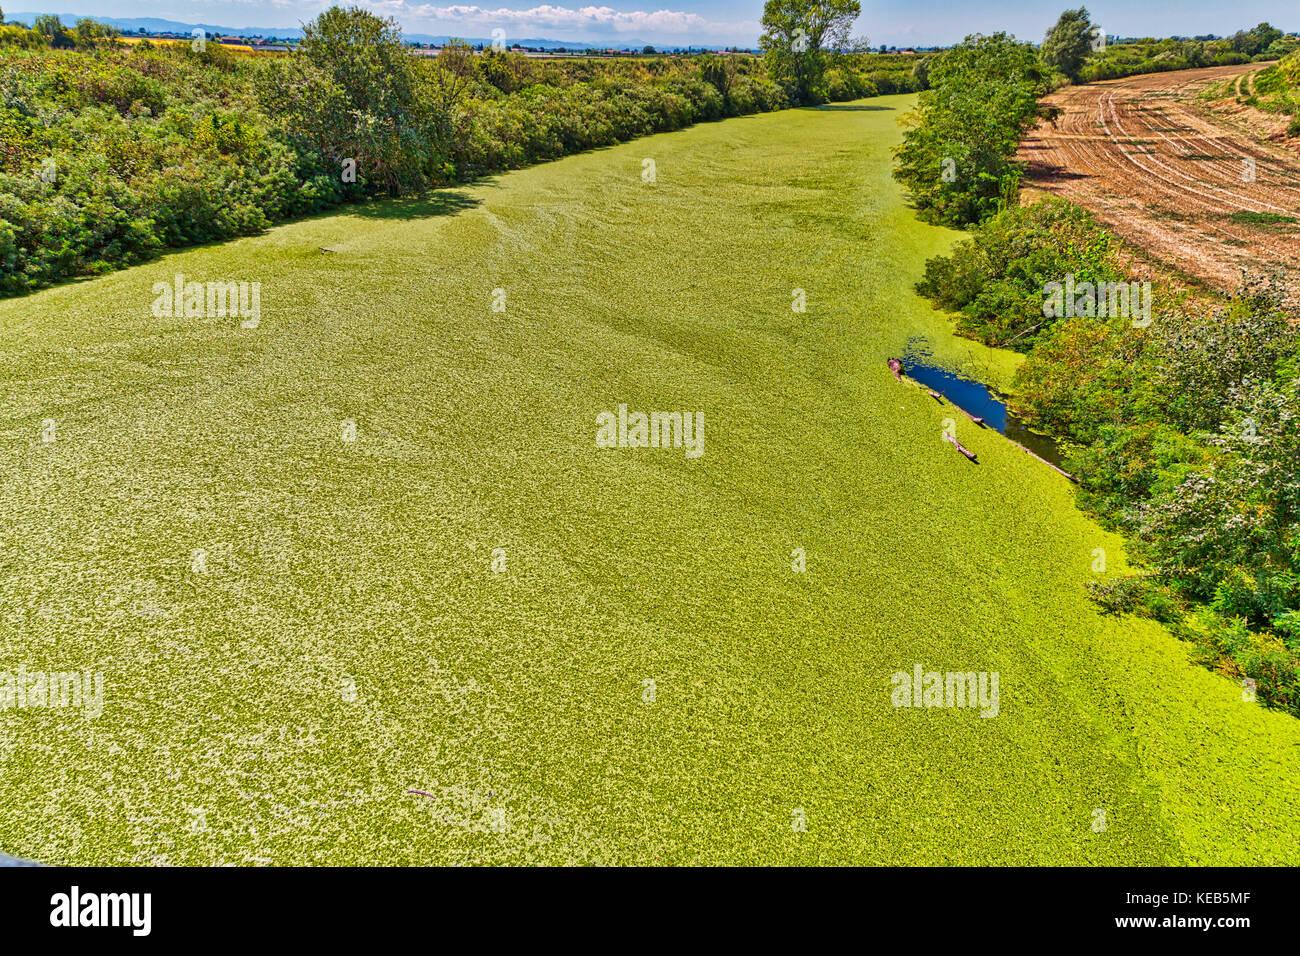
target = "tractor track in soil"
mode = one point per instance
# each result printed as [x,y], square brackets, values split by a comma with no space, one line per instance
[1170,176]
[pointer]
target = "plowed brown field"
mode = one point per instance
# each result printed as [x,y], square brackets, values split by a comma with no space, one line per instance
[1168,175]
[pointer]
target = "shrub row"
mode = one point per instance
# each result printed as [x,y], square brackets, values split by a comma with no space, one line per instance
[1184,434]
[110,152]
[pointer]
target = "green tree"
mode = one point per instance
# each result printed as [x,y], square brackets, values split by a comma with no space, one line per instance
[88,32]
[797,35]
[363,54]
[1067,45]
[1267,35]
[506,70]
[921,72]
[452,74]
[352,92]
[1256,40]
[51,27]
[718,70]
[957,158]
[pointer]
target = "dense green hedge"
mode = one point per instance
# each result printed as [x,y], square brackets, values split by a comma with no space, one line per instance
[543,122]
[1160,56]
[110,152]
[994,280]
[109,155]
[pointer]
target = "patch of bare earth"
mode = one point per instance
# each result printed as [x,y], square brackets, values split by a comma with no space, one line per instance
[1200,190]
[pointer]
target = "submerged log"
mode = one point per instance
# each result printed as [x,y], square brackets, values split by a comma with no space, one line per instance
[1060,471]
[896,366]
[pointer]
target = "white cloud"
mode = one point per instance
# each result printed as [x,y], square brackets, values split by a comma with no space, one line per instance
[586,21]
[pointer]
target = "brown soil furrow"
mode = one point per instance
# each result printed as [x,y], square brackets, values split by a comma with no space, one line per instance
[1237,202]
[1245,148]
[1167,175]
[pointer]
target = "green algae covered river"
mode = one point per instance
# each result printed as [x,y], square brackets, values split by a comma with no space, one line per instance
[434,621]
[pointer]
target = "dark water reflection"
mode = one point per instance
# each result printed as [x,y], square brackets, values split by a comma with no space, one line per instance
[977,399]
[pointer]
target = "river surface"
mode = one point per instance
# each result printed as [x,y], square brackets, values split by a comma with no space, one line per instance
[586,656]
[977,399]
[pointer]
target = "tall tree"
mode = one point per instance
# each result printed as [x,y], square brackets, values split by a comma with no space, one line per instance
[51,27]
[352,91]
[89,31]
[797,34]
[1067,45]
[364,55]
[1255,41]
[957,158]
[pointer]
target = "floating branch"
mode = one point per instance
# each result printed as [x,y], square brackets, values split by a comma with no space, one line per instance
[960,447]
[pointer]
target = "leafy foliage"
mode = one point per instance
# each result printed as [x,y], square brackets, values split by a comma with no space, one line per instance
[1159,56]
[1184,434]
[110,152]
[957,155]
[995,280]
[1275,89]
[799,37]
[1067,45]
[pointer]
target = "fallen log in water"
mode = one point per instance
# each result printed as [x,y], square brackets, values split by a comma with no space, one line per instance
[960,447]
[895,366]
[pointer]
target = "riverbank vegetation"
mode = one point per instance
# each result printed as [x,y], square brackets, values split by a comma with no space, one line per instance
[1182,428]
[1186,437]
[1181,423]
[957,158]
[993,283]
[110,152]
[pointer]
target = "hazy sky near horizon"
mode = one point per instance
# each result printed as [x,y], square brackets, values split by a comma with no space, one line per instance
[722,22]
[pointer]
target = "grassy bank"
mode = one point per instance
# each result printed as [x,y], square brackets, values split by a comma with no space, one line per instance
[1274,89]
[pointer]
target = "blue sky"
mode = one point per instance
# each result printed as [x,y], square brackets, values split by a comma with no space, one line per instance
[901,22]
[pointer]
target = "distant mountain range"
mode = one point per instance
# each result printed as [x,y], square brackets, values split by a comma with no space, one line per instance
[155,25]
